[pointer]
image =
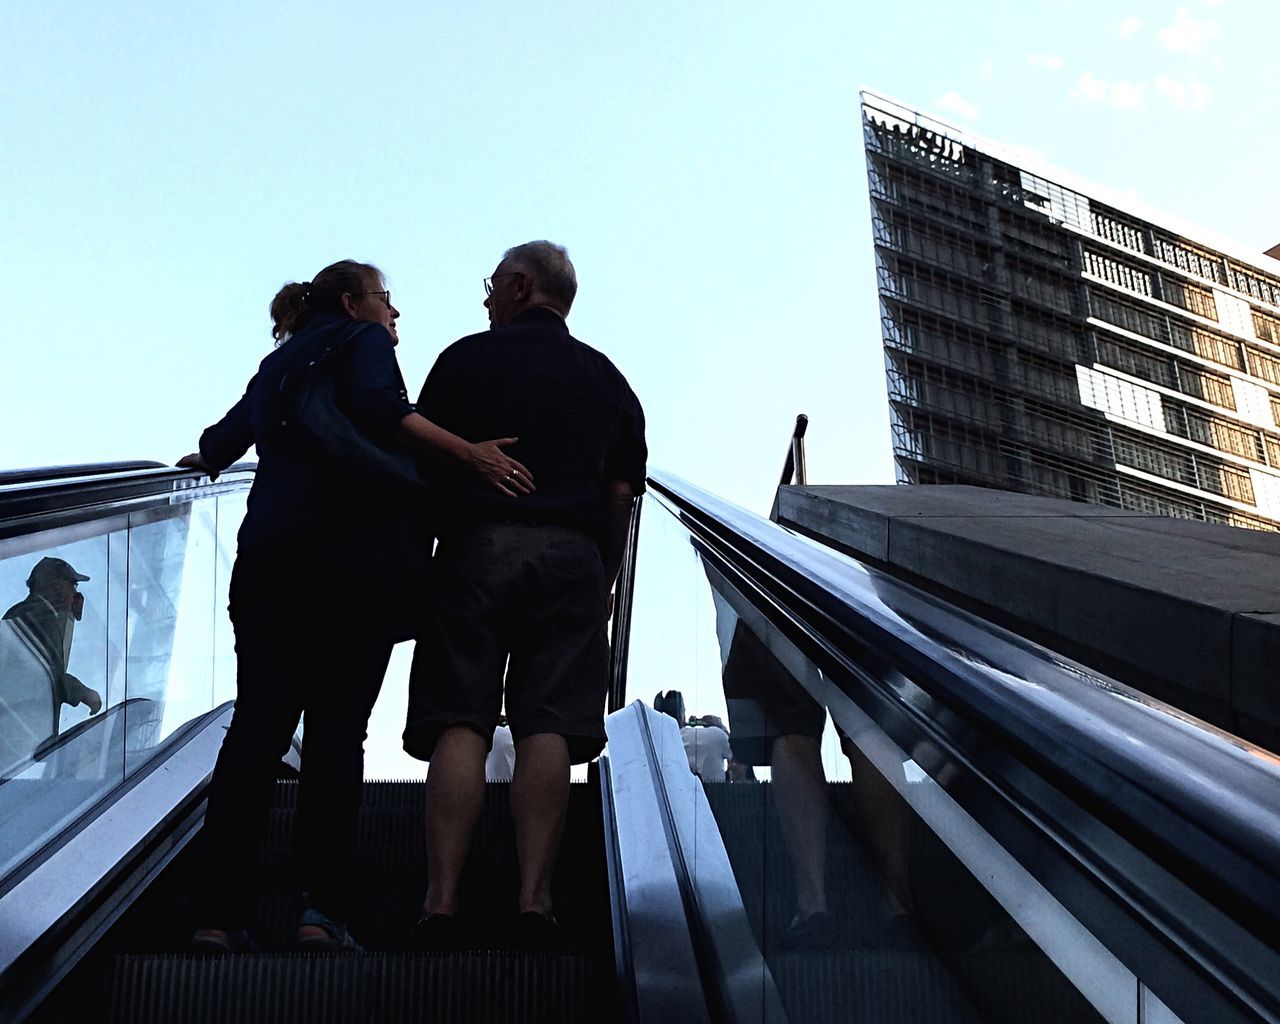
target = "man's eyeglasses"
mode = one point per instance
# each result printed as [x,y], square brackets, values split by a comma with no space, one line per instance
[488,281]
[384,296]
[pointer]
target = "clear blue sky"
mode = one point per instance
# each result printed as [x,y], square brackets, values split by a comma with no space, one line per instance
[165,167]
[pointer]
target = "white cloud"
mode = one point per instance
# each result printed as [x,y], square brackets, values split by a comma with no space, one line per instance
[1188,34]
[954,103]
[1090,87]
[1128,96]
[1129,26]
[1187,94]
[1048,61]
[1120,95]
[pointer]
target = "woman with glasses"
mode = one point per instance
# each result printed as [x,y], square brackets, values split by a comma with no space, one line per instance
[321,586]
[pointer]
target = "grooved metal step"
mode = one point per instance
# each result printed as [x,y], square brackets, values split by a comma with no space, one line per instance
[453,988]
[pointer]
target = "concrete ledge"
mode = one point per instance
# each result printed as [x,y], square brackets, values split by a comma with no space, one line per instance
[1187,612]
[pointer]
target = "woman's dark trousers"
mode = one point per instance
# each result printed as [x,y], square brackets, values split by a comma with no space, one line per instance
[308,639]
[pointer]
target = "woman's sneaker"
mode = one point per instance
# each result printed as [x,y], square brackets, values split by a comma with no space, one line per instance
[319,933]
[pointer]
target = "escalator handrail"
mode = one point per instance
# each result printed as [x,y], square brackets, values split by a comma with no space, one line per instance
[45,473]
[650,894]
[1174,783]
[34,499]
[737,982]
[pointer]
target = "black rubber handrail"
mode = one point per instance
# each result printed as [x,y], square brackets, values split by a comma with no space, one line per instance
[37,499]
[41,473]
[1199,805]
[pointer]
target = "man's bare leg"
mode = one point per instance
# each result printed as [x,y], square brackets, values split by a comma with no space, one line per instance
[455,794]
[539,800]
[802,808]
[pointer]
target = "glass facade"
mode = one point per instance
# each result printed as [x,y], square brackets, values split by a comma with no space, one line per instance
[1043,340]
[115,637]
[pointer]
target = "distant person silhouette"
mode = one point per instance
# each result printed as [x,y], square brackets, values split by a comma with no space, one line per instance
[45,620]
[706,744]
[500,764]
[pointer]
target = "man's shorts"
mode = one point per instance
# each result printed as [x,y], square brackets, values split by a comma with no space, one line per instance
[534,595]
[764,699]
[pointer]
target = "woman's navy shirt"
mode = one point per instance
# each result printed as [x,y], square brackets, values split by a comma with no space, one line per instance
[300,499]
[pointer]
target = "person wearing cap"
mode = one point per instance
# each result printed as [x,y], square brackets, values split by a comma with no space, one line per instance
[46,620]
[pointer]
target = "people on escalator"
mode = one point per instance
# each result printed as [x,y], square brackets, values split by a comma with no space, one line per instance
[320,584]
[500,764]
[519,588]
[706,744]
[43,623]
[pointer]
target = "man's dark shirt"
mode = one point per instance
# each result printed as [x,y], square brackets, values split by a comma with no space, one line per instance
[579,423]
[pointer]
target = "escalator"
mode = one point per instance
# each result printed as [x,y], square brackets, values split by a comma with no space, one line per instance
[925,818]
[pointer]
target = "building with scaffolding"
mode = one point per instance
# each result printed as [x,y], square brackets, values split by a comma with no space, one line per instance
[1042,336]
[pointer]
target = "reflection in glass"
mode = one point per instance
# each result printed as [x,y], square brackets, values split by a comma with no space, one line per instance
[106,650]
[860,910]
[35,652]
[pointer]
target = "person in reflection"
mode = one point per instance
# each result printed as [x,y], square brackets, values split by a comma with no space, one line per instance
[706,745]
[315,594]
[776,722]
[524,580]
[45,621]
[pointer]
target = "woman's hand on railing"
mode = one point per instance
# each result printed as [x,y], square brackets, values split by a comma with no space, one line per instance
[196,461]
[504,473]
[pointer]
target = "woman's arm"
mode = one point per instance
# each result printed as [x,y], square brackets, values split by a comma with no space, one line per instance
[378,400]
[486,459]
[225,441]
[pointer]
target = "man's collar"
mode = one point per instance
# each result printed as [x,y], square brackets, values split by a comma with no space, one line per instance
[541,314]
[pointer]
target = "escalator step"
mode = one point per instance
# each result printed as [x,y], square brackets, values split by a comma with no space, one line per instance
[871,987]
[453,987]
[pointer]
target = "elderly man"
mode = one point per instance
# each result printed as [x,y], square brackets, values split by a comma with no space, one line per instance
[520,583]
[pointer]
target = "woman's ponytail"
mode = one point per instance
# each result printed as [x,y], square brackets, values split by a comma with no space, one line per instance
[294,303]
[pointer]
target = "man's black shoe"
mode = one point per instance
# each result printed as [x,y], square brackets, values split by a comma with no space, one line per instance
[813,931]
[538,931]
[435,933]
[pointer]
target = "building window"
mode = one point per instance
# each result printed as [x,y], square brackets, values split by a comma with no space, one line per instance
[1197,300]
[1256,284]
[1124,233]
[1187,257]
[1122,275]
[1266,327]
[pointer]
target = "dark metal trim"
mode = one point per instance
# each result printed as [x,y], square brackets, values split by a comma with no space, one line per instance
[1119,793]
[794,469]
[623,956]
[624,598]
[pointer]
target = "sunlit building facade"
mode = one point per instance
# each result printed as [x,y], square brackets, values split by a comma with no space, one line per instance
[1042,338]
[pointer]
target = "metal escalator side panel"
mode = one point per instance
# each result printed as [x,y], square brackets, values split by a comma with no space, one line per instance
[735,979]
[52,916]
[650,926]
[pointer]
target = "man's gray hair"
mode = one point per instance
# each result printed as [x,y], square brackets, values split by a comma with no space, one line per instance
[548,264]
